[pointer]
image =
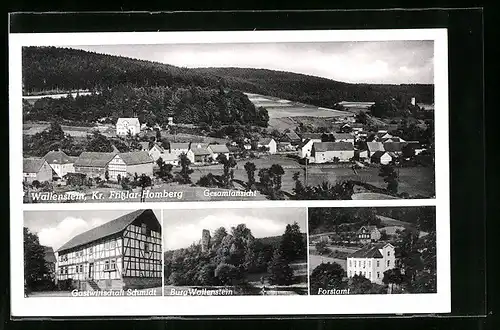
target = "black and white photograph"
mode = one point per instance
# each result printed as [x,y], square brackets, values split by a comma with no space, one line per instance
[228,252]
[382,250]
[228,121]
[92,253]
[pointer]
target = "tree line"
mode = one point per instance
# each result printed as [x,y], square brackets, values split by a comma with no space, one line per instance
[51,68]
[151,105]
[233,254]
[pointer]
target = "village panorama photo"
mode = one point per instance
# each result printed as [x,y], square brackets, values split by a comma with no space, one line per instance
[177,122]
[92,253]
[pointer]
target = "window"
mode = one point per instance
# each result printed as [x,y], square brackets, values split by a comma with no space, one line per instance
[388,263]
[378,274]
[350,263]
[77,269]
[81,268]
[378,263]
[144,229]
[106,265]
[146,247]
[113,264]
[112,244]
[364,264]
[369,274]
[388,253]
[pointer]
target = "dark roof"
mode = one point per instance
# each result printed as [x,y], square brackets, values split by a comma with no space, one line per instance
[378,154]
[394,146]
[333,146]
[136,157]
[371,251]
[32,165]
[292,136]
[316,136]
[94,159]
[342,136]
[58,157]
[109,228]
[49,254]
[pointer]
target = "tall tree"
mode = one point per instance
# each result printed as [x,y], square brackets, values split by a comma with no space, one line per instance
[293,245]
[280,271]
[185,172]
[35,268]
[326,276]
[250,168]
[390,176]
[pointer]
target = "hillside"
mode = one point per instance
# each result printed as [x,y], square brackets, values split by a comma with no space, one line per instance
[63,69]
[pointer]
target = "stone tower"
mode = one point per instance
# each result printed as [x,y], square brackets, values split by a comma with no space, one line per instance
[205,240]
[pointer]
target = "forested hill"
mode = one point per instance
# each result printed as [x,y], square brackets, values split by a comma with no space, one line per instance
[315,90]
[51,68]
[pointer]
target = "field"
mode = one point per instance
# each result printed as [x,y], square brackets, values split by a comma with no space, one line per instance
[75,131]
[285,114]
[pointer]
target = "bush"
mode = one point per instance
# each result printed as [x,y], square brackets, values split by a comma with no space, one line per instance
[209,181]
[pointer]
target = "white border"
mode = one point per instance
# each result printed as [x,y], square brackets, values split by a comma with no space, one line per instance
[208,306]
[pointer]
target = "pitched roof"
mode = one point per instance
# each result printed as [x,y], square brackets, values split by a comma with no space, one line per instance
[58,157]
[94,159]
[130,121]
[369,228]
[316,136]
[379,154]
[200,151]
[375,146]
[109,228]
[219,148]
[394,146]
[32,165]
[343,136]
[136,157]
[333,146]
[292,136]
[265,141]
[371,251]
[179,145]
[49,254]
[144,145]
[158,146]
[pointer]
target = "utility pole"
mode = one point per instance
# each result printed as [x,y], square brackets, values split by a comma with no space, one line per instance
[305,176]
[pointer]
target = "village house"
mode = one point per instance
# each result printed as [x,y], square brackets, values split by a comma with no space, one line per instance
[130,163]
[125,126]
[36,169]
[367,234]
[218,149]
[372,147]
[179,148]
[144,146]
[199,153]
[325,152]
[269,143]
[156,151]
[170,158]
[61,163]
[395,147]
[292,137]
[311,136]
[305,147]
[382,157]
[343,137]
[285,146]
[93,164]
[372,261]
[122,254]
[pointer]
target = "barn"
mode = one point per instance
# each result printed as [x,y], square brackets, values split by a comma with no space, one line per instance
[129,163]
[124,253]
[36,169]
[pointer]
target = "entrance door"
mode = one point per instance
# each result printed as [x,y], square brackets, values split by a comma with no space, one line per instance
[91,270]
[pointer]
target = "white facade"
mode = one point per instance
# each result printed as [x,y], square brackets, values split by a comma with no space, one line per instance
[124,126]
[271,145]
[373,268]
[155,152]
[305,151]
[63,169]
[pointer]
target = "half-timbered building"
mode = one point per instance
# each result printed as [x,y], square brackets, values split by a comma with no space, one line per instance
[124,253]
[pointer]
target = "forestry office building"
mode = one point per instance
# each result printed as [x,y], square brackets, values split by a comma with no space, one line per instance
[125,253]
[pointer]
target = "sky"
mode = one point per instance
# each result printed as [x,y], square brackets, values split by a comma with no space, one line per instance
[381,62]
[184,227]
[54,228]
